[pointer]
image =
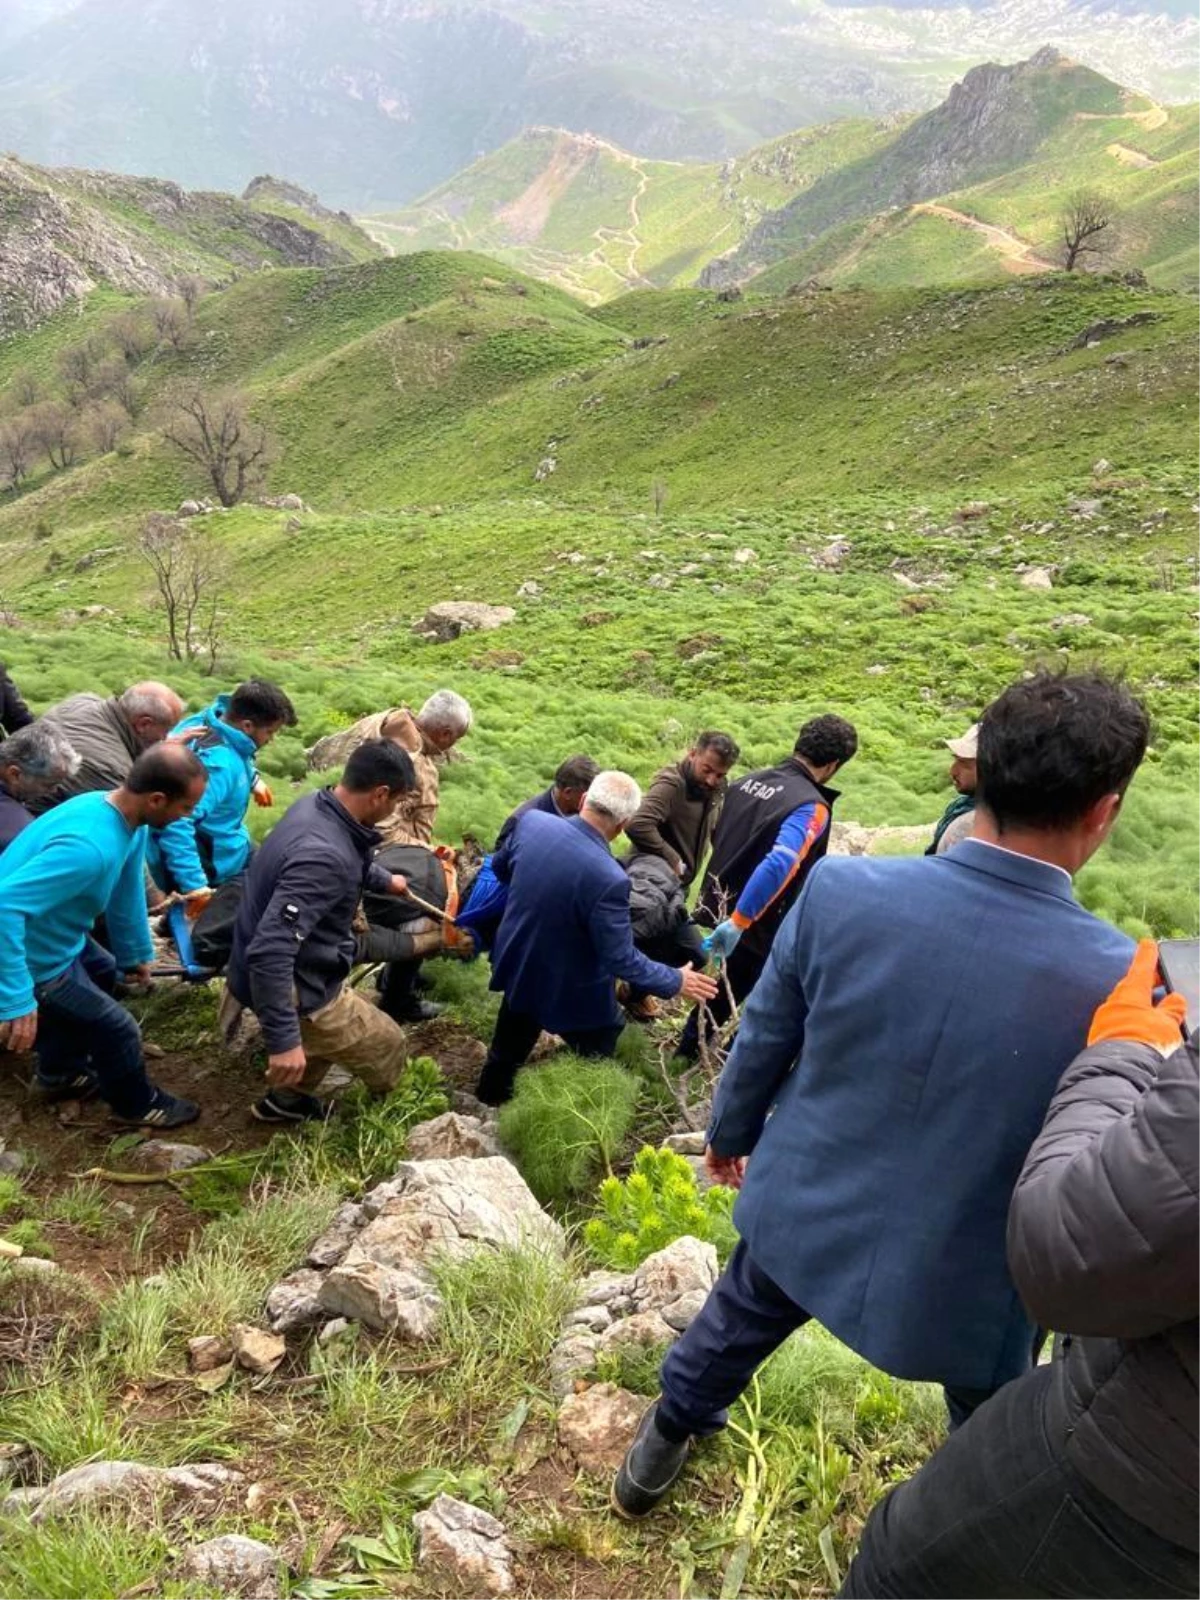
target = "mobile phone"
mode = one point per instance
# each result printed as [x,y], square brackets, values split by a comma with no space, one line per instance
[1179,963]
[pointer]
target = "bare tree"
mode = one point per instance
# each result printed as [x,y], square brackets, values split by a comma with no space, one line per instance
[78,364]
[1085,217]
[127,392]
[170,322]
[190,289]
[216,433]
[57,428]
[18,448]
[106,425]
[26,387]
[187,574]
[132,335]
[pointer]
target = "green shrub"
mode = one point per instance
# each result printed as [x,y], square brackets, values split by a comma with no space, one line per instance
[659,1201]
[369,1136]
[565,1123]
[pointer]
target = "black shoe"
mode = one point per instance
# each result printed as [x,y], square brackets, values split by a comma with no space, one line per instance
[649,1470]
[81,1085]
[290,1105]
[164,1111]
[415,1011]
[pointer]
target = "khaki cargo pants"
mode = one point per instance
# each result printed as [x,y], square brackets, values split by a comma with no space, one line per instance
[348,1032]
[351,1033]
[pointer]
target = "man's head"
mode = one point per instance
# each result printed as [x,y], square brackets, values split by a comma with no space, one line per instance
[444,718]
[824,744]
[151,710]
[35,760]
[964,773]
[166,782]
[571,783]
[259,709]
[1056,755]
[708,762]
[612,799]
[376,775]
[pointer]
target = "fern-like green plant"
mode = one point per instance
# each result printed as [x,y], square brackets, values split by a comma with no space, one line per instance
[565,1123]
[659,1201]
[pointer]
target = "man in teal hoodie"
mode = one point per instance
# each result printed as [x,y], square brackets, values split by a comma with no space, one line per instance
[200,852]
[84,859]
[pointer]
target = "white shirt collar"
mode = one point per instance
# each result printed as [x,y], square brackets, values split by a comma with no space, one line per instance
[992,845]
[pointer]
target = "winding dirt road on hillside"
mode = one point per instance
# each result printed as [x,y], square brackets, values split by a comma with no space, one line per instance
[1018,255]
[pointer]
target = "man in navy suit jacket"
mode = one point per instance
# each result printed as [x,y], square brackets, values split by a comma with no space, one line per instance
[566,936]
[893,1067]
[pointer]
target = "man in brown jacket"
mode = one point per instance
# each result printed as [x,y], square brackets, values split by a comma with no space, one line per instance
[1080,1478]
[675,822]
[680,809]
[427,736]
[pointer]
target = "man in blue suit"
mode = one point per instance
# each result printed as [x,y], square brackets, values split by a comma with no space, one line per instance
[893,1068]
[566,936]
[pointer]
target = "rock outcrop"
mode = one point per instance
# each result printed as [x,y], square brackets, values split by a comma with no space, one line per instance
[466,1544]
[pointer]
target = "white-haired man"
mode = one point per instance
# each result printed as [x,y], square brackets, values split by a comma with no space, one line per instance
[109,734]
[566,937]
[427,735]
[34,761]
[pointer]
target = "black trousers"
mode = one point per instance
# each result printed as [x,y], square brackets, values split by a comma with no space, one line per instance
[745,1319]
[515,1035]
[998,1511]
[743,969]
[399,989]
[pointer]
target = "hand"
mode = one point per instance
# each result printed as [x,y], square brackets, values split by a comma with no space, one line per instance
[723,940]
[680,869]
[726,1170]
[1130,1012]
[696,985]
[399,884]
[19,1032]
[140,977]
[195,901]
[287,1068]
[260,793]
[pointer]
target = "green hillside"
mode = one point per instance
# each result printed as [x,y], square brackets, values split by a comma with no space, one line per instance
[704,512]
[598,220]
[879,204]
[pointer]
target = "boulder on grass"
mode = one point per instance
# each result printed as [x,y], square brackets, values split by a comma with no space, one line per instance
[449,619]
[596,1425]
[234,1565]
[466,1544]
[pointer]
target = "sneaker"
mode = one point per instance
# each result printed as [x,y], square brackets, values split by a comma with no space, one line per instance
[290,1105]
[417,1011]
[649,1470]
[164,1111]
[81,1085]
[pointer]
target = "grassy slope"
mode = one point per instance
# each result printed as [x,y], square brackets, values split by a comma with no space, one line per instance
[430,378]
[345,235]
[551,203]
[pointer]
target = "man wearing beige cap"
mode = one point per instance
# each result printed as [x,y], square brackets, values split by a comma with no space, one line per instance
[958,820]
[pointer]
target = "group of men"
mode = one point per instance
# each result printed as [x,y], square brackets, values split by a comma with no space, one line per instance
[914,1167]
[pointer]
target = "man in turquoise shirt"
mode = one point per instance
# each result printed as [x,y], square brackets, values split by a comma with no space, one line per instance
[198,853]
[84,859]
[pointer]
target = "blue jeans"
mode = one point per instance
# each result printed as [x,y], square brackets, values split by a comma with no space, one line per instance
[80,1025]
[744,1320]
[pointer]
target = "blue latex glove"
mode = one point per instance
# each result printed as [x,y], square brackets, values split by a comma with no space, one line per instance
[722,941]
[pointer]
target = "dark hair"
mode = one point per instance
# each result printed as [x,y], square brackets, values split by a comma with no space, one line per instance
[826,739]
[376,762]
[1052,745]
[723,745]
[166,769]
[576,772]
[262,703]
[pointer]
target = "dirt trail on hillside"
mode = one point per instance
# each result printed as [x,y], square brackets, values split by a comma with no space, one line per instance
[1128,156]
[1018,254]
[1153,117]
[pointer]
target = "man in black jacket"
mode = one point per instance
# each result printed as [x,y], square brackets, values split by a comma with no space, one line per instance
[1081,1478]
[564,797]
[294,941]
[774,828]
[14,713]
